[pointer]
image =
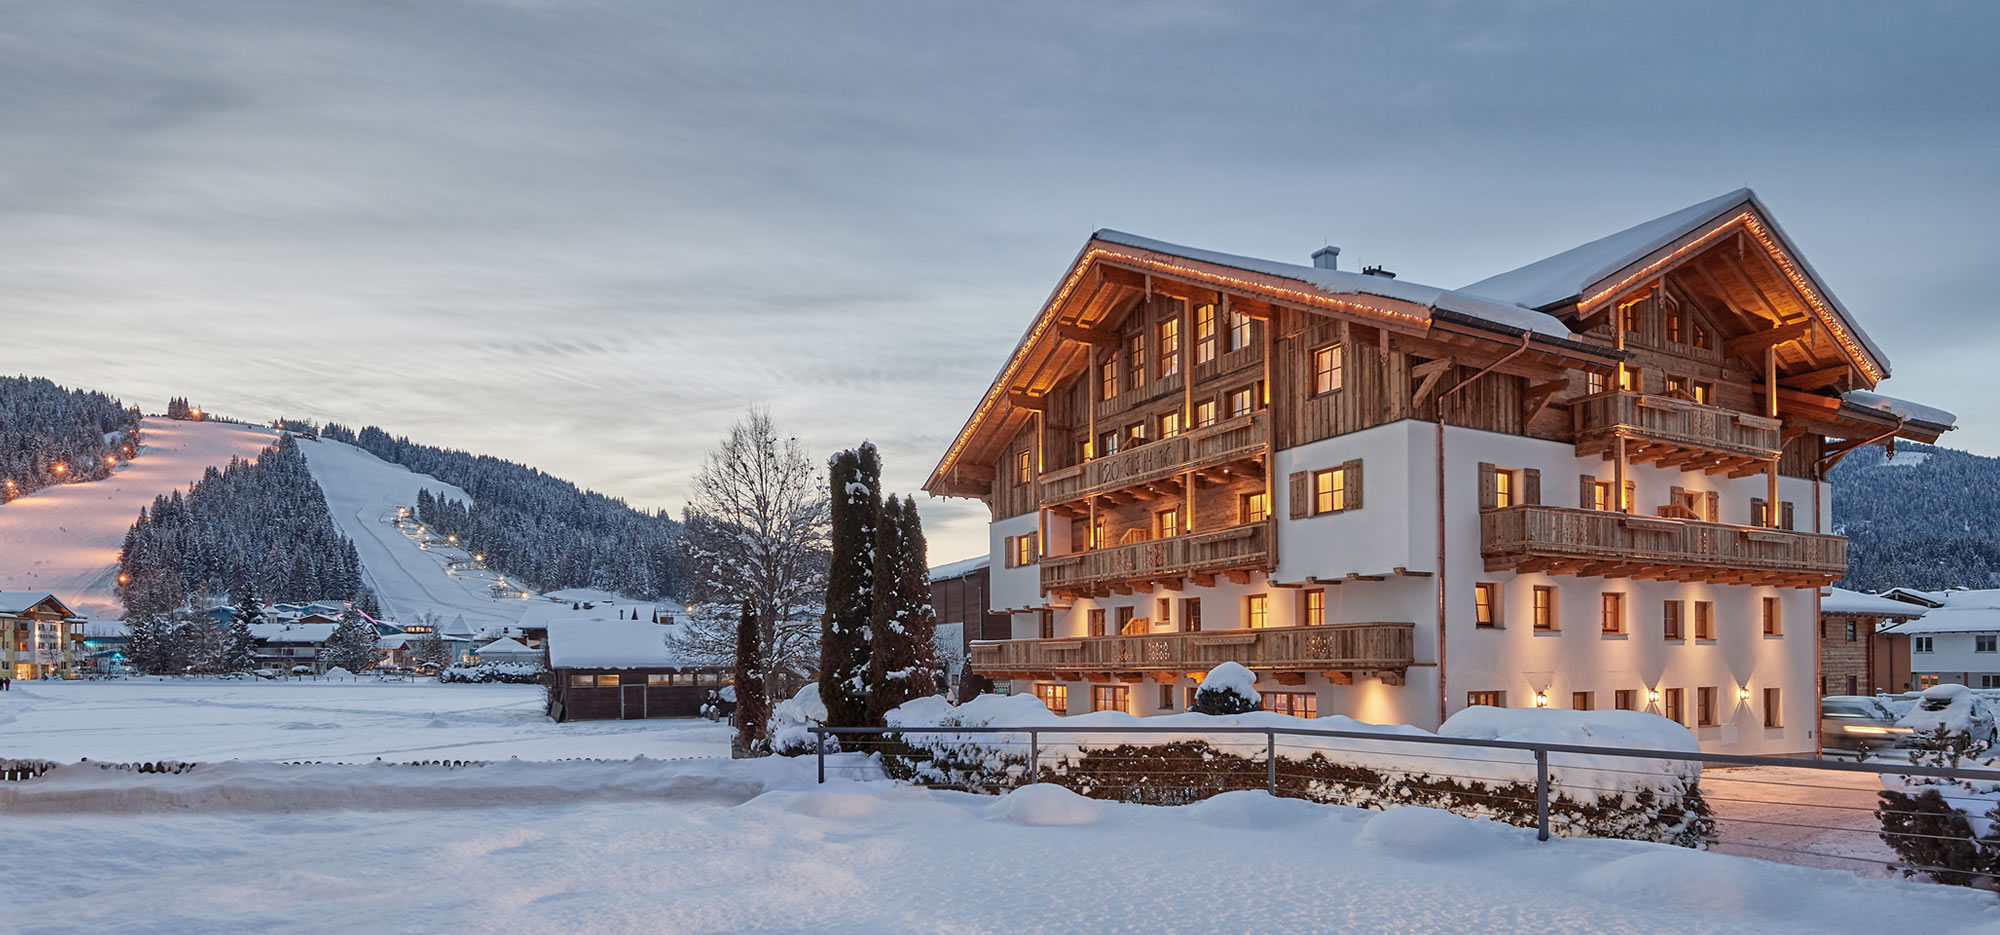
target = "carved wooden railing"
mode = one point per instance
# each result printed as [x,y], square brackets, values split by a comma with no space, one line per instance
[1342,646]
[1626,545]
[1236,547]
[1674,421]
[1235,440]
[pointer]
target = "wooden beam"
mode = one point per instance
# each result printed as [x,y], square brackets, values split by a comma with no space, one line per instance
[1390,676]
[1537,398]
[1083,334]
[1167,678]
[1339,678]
[1289,678]
[1756,341]
[1820,378]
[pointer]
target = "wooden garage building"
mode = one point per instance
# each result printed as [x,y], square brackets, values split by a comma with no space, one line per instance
[623,669]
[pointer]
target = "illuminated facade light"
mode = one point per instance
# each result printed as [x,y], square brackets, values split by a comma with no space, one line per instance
[1541,699]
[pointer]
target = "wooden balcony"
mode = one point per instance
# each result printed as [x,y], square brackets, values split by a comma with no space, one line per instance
[1564,541]
[1337,651]
[1672,432]
[1232,552]
[1238,441]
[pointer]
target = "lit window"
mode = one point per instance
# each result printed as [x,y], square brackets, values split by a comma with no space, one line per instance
[1490,699]
[1166,523]
[657,678]
[1313,607]
[1256,611]
[1676,323]
[1107,444]
[1296,704]
[1486,604]
[1253,507]
[1628,314]
[1108,377]
[1704,393]
[1170,347]
[1329,491]
[1326,369]
[1055,697]
[1109,698]
[1239,331]
[1503,488]
[1135,362]
[1240,402]
[1678,386]
[607,681]
[1204,334]
[1024,468]
[1600,495]
[1545,607]
[1614,612]
[575,681]
[1024,550]
[1593,383]
[1204,413]
[1628,378]
[1170,424]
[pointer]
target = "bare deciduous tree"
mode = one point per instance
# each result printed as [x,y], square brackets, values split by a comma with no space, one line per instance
[756,531]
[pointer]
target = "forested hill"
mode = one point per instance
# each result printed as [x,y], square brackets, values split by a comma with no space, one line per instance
[51,435]
[1929,518]
[540,530]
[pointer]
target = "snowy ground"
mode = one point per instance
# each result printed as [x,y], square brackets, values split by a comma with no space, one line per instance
[875,858]
[1808,817]
[362,492]
[209,721]
[65,539]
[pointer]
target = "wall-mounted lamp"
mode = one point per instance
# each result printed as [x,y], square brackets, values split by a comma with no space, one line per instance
[1743,694]
[1653,696]
[1541,699]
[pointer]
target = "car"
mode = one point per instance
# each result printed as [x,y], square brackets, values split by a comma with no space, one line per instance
[302,670]
[1953,707]
[1857,723]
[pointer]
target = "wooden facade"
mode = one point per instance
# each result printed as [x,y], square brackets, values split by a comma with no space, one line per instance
[595,694]
[1338,651]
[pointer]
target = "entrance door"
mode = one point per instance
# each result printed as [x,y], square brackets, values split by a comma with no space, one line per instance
[635,701]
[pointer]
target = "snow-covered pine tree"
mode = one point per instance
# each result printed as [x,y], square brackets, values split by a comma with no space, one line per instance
[751,710]
[247,611]
[1229,688]
[855,501]
[903,653]
[428,646]
[352,645]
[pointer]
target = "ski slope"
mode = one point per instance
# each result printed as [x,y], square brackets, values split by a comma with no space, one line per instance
[363,492]
[65,539]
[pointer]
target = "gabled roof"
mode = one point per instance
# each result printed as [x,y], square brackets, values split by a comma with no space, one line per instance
[611,644]
[1580,274]
[1843,601]
[20,602]
[506,647]
[961,568]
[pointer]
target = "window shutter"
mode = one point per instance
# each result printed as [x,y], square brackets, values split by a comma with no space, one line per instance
[1531,486]
[1586,492]
[1785,516]
[1631,501]
[1714,504]
[1007,546]
[1353,471]
[1301,501]
[1489,492]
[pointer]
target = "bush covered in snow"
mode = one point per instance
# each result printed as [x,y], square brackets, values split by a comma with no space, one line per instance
[1591,796]
[1228,688]
[1951,825]
[515,673]
[791,720]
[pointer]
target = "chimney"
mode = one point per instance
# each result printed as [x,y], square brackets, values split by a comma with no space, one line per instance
[1377,271]
[1327,258]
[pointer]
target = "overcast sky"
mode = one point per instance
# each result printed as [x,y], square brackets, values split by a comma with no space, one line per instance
[586,235]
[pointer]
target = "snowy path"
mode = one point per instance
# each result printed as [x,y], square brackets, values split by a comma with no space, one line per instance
[1807,817]
[362,492]
[65,539]
[210,721]
[876,858]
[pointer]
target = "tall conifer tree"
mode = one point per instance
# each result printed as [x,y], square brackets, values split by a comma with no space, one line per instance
[751,711]
[902,659]
[856,505]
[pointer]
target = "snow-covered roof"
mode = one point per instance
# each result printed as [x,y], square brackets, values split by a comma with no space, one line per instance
[15,602]
[1900,408]
[293,632]
[1843,601]
[960,568]
[611,644]
[1344,282]
[507,647]
[1949,619]
[1563,277]
[542,613]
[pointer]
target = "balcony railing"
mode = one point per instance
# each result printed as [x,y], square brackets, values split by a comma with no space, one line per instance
[1238,547]
[1386,647]
[1562,540]
[1238,439]
[1673,432]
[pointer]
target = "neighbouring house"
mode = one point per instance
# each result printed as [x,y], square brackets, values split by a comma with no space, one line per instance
[1853,658]
[623,669]
[284,646]
[41,636]
[959,596]
[1958,641]
[507,649]
[1596,481]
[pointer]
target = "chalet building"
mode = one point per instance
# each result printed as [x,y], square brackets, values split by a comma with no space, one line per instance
[623,669]
[286,646]
[38,636]
[959,595]
[1956,641]
[1855,656]
[1596,481]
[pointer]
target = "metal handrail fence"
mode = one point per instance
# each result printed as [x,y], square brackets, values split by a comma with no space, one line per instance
[1736,809]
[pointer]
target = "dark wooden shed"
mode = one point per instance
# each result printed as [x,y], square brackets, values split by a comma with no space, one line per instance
[623,669]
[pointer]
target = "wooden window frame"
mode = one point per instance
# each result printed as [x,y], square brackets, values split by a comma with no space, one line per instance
[1111,698]
[1487,611]
[1191,614]
[1329,491]
[1204,413]
[1169,332]
[1107,378]
[1167,523]
[1704,621]
[1490,699]
[1046,623]
[1169,423]
[1290,703]
[1050,694]
[1256,611]
[1707,706]
[1625,699]
[1546,613]
[1773,616]
[1631,379]
[1594,383]
[1253,507]
[1670,623]
[1249,397]
[1240,337]
[1774,708]
[1126,615]
[1166,697]
[1204,333]
[1024,466]
[1611,613]
[1095,622]
[1135,361]
[1673,705]
[1703,391]
[1312,607]
[1325,364]
[1583,701]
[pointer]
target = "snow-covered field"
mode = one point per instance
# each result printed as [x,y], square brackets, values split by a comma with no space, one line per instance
[362,492]
[208,721]
[877,858]
[65,539]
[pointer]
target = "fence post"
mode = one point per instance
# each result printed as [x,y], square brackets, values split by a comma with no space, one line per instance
[1271,762]
[1541,795]
[819,735]
[1034,756]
